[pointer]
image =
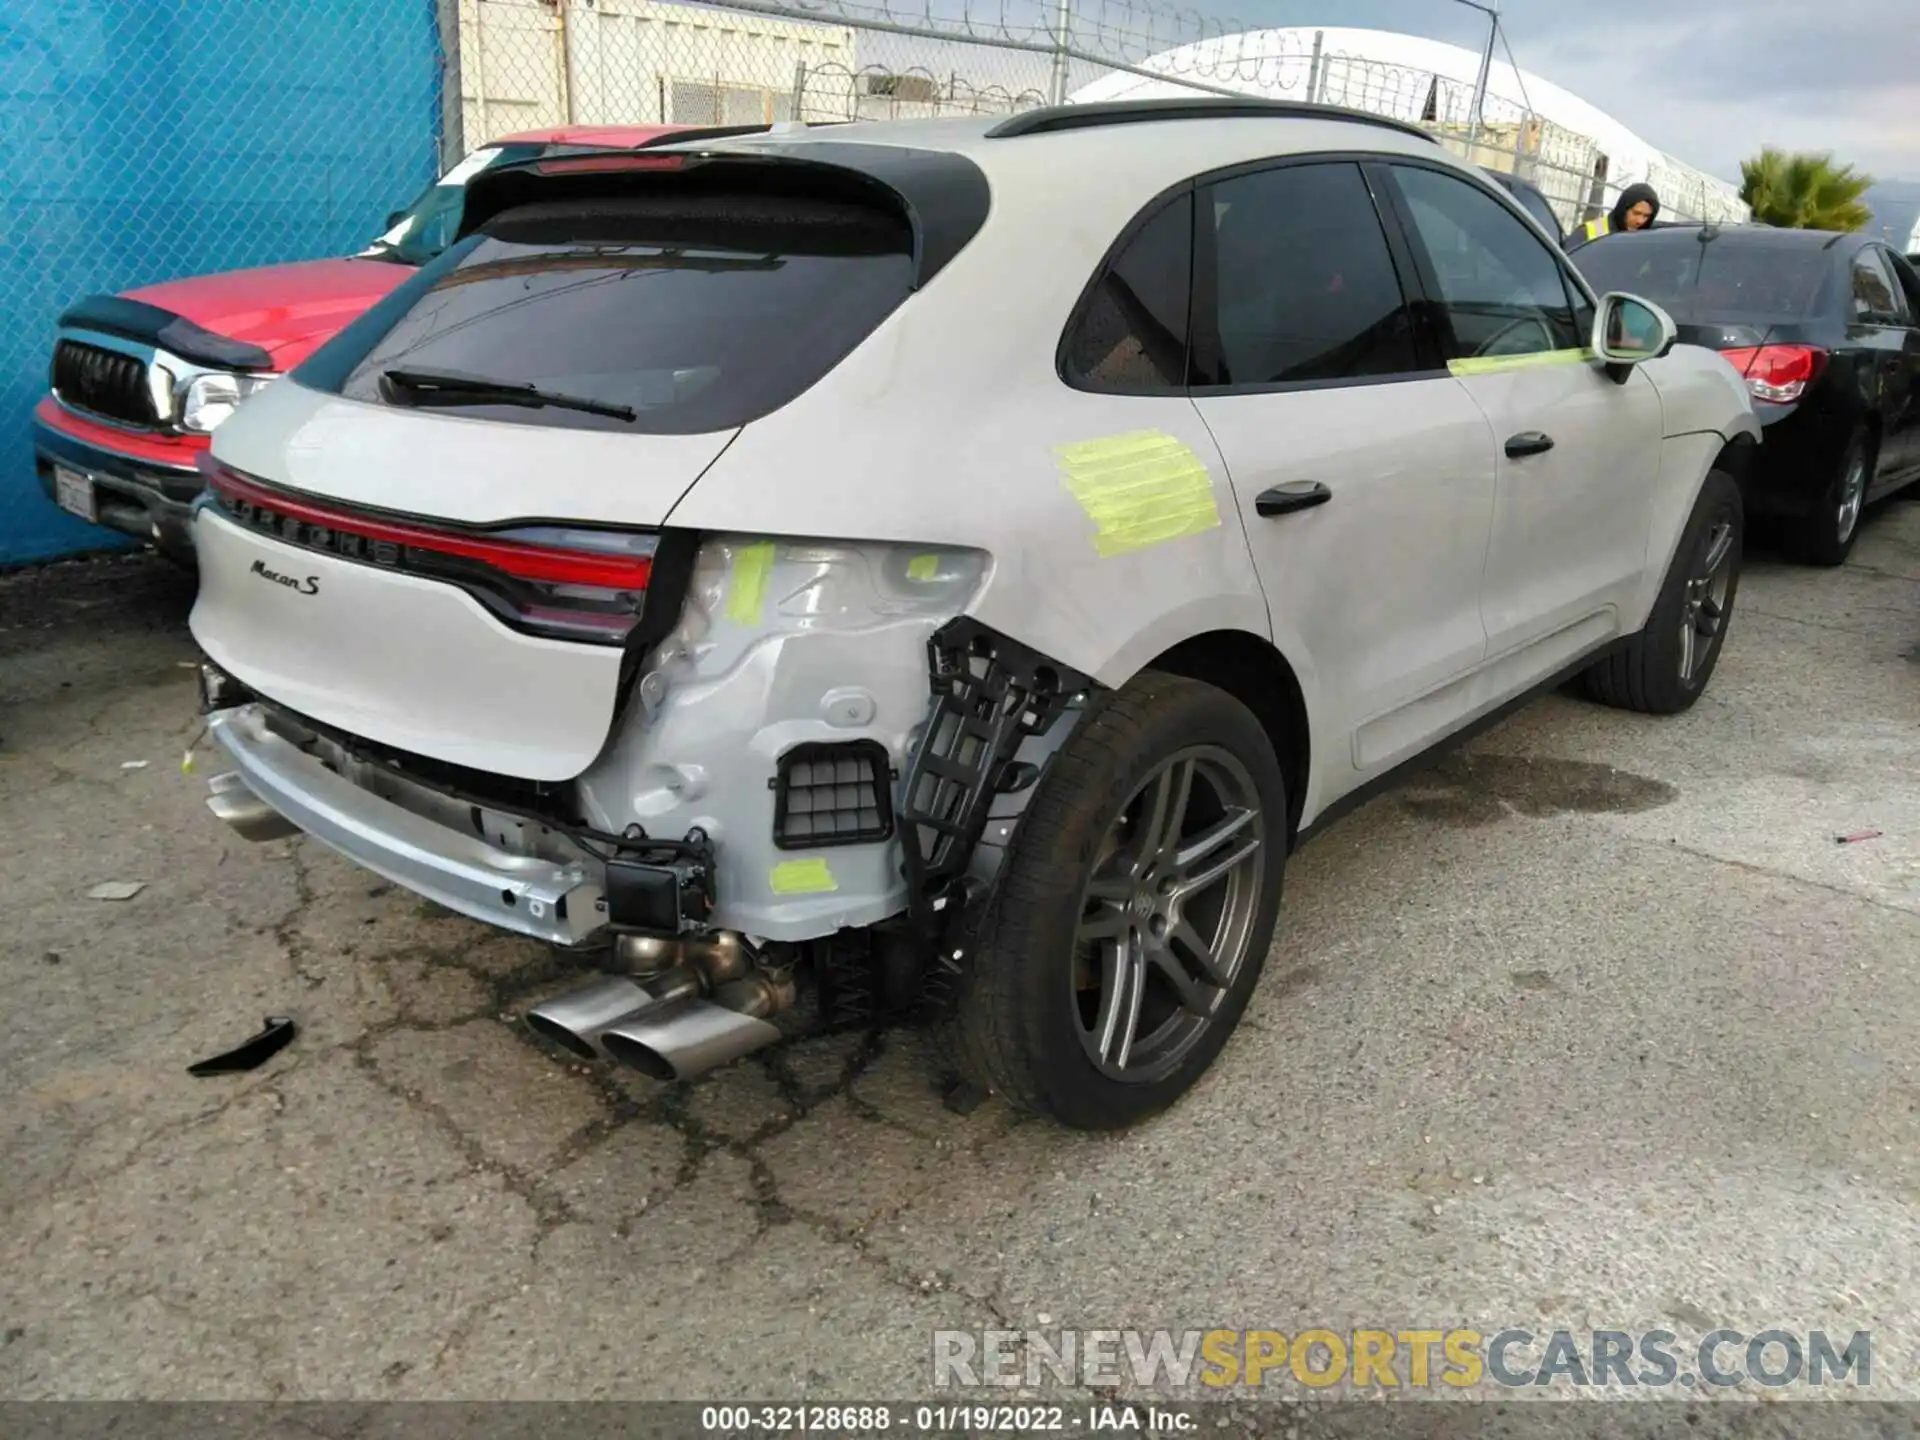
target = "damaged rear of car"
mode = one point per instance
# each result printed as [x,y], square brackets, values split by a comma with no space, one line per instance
[454,632]
[900,566]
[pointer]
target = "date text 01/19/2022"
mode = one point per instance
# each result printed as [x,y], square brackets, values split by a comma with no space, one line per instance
[881,1419]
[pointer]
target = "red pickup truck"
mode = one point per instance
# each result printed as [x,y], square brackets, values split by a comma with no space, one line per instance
[141,379]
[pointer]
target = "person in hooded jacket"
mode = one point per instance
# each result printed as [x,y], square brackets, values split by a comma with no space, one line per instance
[1637,208]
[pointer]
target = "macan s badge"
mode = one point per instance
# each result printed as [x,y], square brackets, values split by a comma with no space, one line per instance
[299,584]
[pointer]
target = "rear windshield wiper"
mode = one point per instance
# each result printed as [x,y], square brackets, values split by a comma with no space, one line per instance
[454,387]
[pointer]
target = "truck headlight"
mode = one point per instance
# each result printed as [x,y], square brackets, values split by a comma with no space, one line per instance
[212,398]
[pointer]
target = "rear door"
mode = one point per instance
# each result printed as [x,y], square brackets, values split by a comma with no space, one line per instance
[1883,316]
[1364,474]
[1578,454]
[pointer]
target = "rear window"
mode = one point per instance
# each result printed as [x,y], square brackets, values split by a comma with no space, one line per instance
[1694,280]
[692,312]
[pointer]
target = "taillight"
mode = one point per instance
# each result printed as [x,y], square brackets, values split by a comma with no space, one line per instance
[566,582]
[1780,373]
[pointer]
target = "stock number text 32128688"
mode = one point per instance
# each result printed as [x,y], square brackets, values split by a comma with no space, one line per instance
[881,1419]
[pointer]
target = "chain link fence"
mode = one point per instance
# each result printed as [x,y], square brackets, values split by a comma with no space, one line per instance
[535,63]
[170,138]
[166,138]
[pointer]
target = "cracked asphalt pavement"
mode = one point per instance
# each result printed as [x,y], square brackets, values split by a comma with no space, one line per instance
[1594,1024]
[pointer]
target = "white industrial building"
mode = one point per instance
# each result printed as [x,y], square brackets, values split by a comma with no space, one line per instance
[1572,150]
[535,64]
[527,64]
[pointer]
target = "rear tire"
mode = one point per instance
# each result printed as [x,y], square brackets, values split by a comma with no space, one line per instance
[1089,961]
[1664,668]
[1825,535]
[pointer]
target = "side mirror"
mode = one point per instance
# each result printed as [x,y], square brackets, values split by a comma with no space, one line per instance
[1629,331]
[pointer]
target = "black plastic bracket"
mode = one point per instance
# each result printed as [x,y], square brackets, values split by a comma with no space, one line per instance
[661,888]
[990,694]
[218,690]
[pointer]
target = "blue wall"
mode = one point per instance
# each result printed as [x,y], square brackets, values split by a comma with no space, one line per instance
[144,140]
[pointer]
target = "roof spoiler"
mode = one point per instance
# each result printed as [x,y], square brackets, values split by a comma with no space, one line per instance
[942,195]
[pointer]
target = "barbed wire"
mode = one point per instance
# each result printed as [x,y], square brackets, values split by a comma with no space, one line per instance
[884,59]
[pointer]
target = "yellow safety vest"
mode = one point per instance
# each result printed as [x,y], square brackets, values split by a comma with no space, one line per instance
[1594,229]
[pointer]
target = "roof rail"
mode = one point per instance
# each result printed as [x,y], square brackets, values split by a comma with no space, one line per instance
[1051,118]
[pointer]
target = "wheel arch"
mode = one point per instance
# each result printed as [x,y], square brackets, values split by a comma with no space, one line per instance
[1685,463]
[1736,457]
[1252,669]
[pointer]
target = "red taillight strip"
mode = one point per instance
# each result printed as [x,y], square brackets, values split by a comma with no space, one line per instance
[568,165]
[527,562]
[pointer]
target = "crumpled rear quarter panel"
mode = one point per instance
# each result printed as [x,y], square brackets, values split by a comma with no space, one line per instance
[780,642]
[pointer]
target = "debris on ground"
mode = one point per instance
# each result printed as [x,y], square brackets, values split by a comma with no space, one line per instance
[965,1097]
[117,890]
[133,764]
[251,1054]
[1856,837]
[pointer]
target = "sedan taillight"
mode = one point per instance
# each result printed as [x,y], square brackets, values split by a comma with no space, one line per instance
[561,581]
[1780,373]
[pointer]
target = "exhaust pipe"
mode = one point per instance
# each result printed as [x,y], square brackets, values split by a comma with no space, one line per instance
[251,817]
[667,973]
[574,1021]
[683,1038]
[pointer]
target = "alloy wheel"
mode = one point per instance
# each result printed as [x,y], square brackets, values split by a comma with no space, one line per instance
[1853,494]
[1703,612]
[1167,917]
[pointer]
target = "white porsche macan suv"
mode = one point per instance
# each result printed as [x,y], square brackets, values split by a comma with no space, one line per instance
[945,567]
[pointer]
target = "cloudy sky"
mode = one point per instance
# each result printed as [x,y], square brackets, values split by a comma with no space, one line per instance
[1710,81]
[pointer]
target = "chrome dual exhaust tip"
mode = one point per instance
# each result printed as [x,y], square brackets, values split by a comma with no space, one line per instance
[683,1038]
[575,1021]
[706,1011]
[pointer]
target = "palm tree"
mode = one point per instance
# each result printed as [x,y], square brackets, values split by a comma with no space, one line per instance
[1804,191]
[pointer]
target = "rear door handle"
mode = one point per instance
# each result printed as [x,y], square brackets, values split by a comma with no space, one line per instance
[1295,495]
[1529,442]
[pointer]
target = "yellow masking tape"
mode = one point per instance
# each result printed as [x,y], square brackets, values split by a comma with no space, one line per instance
[747,588]
[1139,489]
[924,567]
[801,877]
[1497,364]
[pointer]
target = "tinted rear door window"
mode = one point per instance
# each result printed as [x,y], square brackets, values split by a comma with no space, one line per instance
[1302,284]
[698,312]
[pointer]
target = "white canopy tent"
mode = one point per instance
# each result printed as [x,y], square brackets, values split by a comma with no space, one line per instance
[1413,78]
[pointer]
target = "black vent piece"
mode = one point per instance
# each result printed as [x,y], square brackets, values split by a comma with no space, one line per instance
[832,794]
[104,382]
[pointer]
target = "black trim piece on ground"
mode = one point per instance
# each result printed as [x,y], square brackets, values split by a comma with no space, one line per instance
[151,325]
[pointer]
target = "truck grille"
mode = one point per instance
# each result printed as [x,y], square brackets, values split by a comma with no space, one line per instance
[102,381]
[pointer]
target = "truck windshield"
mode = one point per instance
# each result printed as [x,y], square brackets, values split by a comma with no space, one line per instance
[423,229]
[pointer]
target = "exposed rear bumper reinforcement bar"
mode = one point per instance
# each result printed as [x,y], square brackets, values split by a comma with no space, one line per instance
[538,897]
